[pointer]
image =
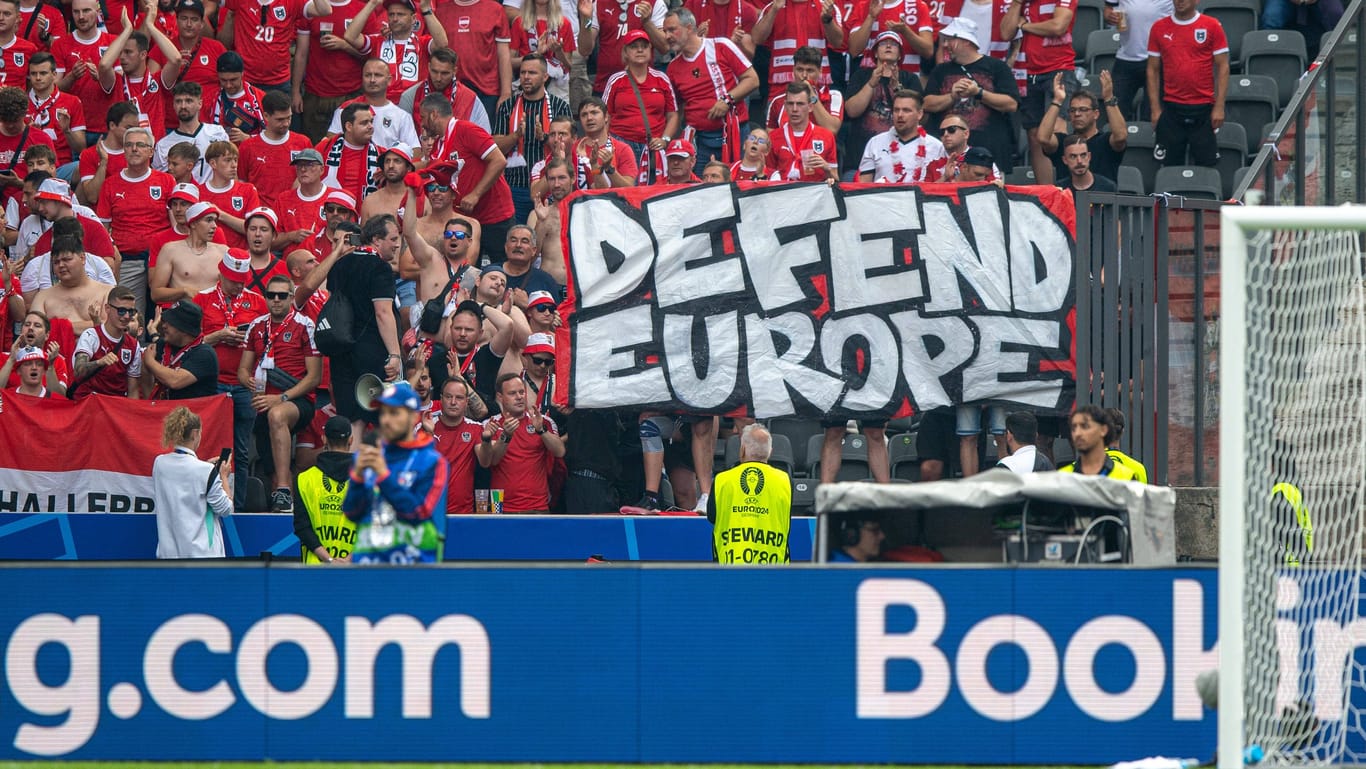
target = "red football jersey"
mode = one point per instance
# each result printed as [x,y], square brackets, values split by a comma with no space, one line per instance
[289,344]
[527,41]
[1041,54]
[297,212]
[915,14]
[135,208]
[96,240]
[146,93]
[90,162]
[622,157]
[407,59]
[14,59]
[469,27]
[798,24]
[111,379]
[1187,50]
[242,112]
[702,80]
[43,115]
[236,200]
[31,30]
[265,164]
[457,444]
[833,101]
[785,152]
[468,144]
[200,66]
[624,109]
[521,473]
[330,74]
[221,312]
[614,21]
[263,33]
[722,20]
[68,51]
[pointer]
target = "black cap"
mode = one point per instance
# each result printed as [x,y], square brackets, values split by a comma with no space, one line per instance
[185,316]
[191,6]
[978,156]
[231,62]
[337,428]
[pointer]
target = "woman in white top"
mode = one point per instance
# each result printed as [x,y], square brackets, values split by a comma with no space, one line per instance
[189,494]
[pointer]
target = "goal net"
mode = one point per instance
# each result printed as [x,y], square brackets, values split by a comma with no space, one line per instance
[1292,486]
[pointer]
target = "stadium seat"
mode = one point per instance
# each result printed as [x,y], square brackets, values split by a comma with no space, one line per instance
[1345,57]
[1086,18]
[1020,175]
[798,432]
[257,502]
[1252,101]
[1239,175]
[1232,139]
[1141,110]
[1101,47]
[1238,17]
[666,492]
[813,454]
[853,459]
[902,425]
[1130,181]
[804,496]
[1138,153]
[1189,181]
[901,455]
[1278,54]
[732,455]
[781,457]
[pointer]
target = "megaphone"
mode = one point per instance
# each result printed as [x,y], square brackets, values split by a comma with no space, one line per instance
[368,389]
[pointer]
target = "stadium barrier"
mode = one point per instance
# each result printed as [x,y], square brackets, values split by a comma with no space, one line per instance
[133,536]
[650,664]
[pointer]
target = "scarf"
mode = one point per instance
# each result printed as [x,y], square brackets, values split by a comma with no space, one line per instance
[730,124]
[333,160]
[169,361]
[519,117]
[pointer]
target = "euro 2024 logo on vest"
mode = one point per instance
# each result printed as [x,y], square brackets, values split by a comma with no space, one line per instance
[751,481]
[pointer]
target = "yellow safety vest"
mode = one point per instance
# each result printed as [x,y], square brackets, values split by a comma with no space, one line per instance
[1112,468]
[321,497]
[1140,472]
[1293,497]
[753,515]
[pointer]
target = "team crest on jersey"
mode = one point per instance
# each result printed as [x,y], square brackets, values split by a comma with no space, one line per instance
[125,355]
[18,59]
[279,12]
[406,478]
[818,146]
[1199,35]
[287,335]
[237,202]
[152,86]
[154,192]
[388,121]
[465,437]
[203,58]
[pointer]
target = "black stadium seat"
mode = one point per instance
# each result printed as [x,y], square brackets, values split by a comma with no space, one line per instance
[1238,17]
[1020,175]
[1139,152]
[1252,101]
[1130,181]
[1086,18]
[1232,139]
[1189,181]
[1101,47]
[1278,54]
[902,457]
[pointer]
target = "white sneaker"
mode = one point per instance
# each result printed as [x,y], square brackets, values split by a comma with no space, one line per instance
[701,506]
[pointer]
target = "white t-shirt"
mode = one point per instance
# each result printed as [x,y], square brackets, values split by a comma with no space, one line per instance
[890,159]
[1142,15]
[1022,461]
[393,126]
[37,274]
[207,134]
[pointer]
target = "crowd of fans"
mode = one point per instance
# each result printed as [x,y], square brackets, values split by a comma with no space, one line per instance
[189,185]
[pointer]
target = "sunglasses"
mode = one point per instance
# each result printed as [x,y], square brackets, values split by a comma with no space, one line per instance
[125,312]
[544,308]
[434,187]
[335,209]
[953,129]
[278,295]
[543,361]
[457,234]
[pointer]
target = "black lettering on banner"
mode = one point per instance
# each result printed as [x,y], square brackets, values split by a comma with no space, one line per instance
[861,300]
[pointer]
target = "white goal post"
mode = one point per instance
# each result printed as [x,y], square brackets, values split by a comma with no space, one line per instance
[1292,485]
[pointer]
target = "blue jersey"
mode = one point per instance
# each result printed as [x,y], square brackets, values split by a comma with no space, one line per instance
[414,488]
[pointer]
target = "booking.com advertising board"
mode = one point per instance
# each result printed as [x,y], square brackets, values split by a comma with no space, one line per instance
[632,664]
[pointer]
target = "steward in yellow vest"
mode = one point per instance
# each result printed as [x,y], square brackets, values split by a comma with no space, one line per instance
[750,506]
[1287,498]
[325,533]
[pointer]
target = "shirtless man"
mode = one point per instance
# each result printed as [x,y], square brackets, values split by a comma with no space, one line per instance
[75,296]
[436,266]
[188,266]
[394,163]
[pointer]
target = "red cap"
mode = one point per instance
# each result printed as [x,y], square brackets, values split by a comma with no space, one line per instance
[634,36]
[199,211]
[186,192]
[539,343]
[679,148]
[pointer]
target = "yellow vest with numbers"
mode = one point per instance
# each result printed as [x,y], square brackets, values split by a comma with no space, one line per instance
[753,515]
[321,497]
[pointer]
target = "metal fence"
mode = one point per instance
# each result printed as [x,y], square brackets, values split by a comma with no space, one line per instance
[1148,326]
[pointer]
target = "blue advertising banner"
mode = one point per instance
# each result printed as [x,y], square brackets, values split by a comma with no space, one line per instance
[133,536]
[585,664]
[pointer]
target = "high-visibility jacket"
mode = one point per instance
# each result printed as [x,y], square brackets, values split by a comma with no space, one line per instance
[753,515]
[1140,472]
[1295,499]
[1112,468]
[321,497]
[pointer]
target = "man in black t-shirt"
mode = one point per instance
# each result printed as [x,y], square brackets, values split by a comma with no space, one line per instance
[1084,111]
[366,278]
[980,89]
[180,364]
[1077,157]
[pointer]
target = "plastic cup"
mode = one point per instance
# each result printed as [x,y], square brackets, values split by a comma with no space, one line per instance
[481,501]
[496,496]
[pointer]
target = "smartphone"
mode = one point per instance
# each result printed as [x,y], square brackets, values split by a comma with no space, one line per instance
[353,239]
[242,328]
[224,455]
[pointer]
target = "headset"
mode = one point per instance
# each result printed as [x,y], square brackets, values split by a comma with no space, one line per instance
[851,529]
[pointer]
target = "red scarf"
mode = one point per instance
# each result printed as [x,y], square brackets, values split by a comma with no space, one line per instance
[519,117]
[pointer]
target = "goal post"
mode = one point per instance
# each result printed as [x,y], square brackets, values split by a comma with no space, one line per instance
[1292,485]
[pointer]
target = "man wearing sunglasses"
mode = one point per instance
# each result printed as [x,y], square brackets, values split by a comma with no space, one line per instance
[439,270]
[541,315]
[281,367]
[107,359]
[436,213]
[1106,150]
[338,207]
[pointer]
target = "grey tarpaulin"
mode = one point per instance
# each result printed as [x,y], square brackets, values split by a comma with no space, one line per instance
[1150,508]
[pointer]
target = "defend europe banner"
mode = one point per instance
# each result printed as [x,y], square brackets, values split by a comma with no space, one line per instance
[858,300]
[93,455]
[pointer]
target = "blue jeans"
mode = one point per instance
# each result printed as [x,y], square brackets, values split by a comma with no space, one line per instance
[407,293]
[522,206]
[243,418]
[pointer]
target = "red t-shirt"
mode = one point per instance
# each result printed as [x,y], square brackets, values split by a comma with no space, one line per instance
[468,144]
[1041,54]
[785,152]
[622,157]
[469,28]
[521,473]
[724,18]
[1187,50]
[696,84]
[135,208]
[67,51]
[30,29]
[739,174]
[113,17]
[90,162]
[221,312]
[353,168]
[289,343]
[6,326]
[624,110]
[296,213]
[265,164]
[407,59]
[146,93]
[833,101]
[200,66]
[96,240]
[236,200]
[10,148]
[43,115]
[611,29]
[527,41]
[916,15]
[111,379]
[14,59]
[330,74]
[59,363]
[457,444]
[262,33]
[796,25]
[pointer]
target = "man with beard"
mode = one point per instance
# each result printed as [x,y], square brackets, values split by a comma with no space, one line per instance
[517,445]
[905,154]
[395,163]
[545,220]
[441,79]
[179,363]
[187,99]
[470,357]
[1076,155]
[1084,111]
[365,276]
[393,124]
[351,159]
[521,128]
[35,332]
[978,88]
[108,360]
[186,267]
[479,187]
[600,159]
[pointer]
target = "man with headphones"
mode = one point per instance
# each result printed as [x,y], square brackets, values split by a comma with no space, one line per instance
[858,540]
